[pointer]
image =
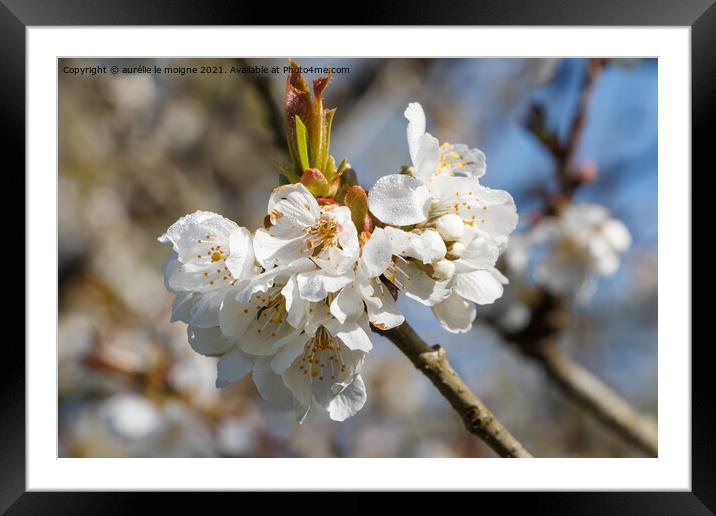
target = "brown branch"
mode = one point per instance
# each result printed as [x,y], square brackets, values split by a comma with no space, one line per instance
[600,400]
[538,341]
[433,363]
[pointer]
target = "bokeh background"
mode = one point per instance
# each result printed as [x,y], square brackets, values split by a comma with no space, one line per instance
[139,151]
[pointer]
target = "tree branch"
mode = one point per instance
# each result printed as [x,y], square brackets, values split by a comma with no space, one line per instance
[433,363]
[538,341]
[600,400]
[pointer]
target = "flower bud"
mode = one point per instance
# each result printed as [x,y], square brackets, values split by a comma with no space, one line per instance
[357,200]
[443,270]
[315,182]
[456,250]
[450,227]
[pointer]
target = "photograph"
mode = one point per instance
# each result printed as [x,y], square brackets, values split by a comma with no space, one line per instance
[357,257]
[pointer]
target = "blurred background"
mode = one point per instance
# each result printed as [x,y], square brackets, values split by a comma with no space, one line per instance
[138,151]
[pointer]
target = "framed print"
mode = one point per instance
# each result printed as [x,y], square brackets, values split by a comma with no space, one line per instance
[281,255]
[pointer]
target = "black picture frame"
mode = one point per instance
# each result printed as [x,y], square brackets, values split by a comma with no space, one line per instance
[17,15]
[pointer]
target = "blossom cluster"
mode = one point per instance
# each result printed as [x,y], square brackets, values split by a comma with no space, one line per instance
[293,302]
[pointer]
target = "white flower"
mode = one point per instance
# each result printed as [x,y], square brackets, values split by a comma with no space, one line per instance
[367,289]
[301,229]
[444,181]
[583,242]
[324,363]
[474,280]
[210,254]
[416,254]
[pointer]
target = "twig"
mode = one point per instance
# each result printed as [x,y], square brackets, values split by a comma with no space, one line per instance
[433,363]
[538,341]
[601,401]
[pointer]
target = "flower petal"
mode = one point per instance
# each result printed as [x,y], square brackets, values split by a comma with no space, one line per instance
[417,285]
[492,211]
[416,127]
[241,254]
[455,314]
[377,253]
[427,158]
[479,286]
[295,305]
[480,253]
[400,200]
[270,385]
[272,251]
[208,341]
[426,245]
[232,367]
[201,241]
[205,311]
[292,207]
[235,317]
[315,285]
[299,384]
[292,349]
[348,304]
[349,402]
[384,314]
[352,333]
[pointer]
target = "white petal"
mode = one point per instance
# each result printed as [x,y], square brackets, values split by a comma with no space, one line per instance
[426,245]
[299,384]
[295,305]
[463,160]
[617,235]
[352,334]
[384,314]
[265,337]
[185,232]
[426,160]
[292,206]
[208,341]
[205,312]
[201,241]
[266,280]
[241,254]
[480,287]
[417,285]
[270,385]
[234,316]
[432,247]
[416,127]
[455,314]
[348,304]
[491,211]
[272,251]
[182,305]
[315,285]
[232,367]
[480,253]
[292,349]
[377,253]
[400,200]
[349,402]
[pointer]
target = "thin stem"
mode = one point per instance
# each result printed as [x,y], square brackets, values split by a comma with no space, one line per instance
[433,363]
[600,400]
[538,341]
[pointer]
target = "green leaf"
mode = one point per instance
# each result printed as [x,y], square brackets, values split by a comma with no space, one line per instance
[327,123]
[301,140]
